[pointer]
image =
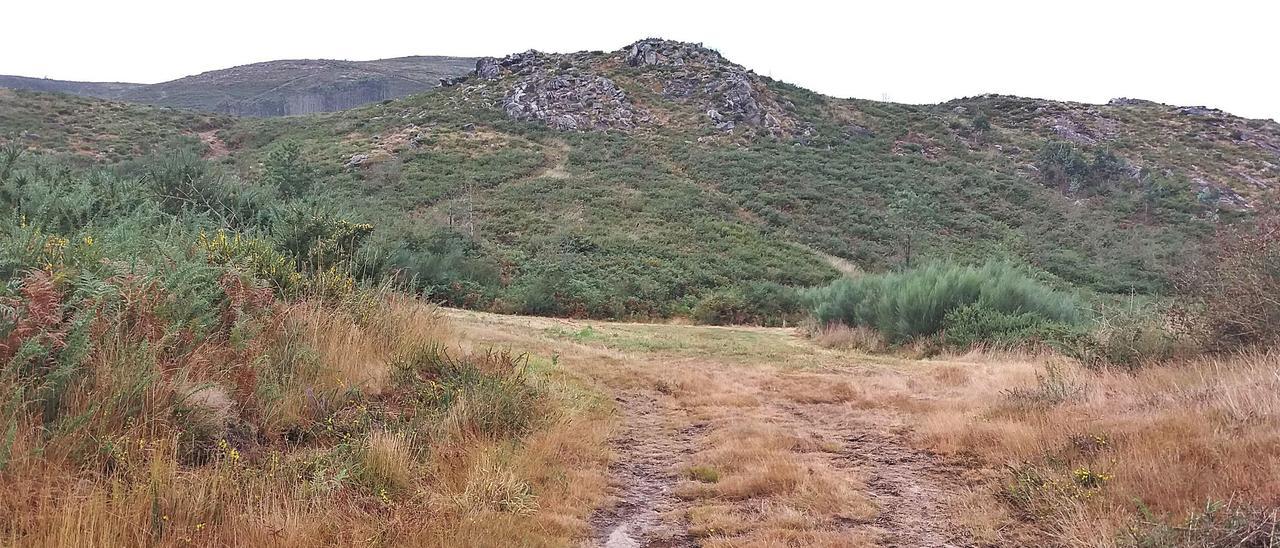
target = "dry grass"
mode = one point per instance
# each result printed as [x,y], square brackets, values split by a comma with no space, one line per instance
[324,448]
[843,337]
[1022,424]
[355,352]
[760,484]
[1170,437]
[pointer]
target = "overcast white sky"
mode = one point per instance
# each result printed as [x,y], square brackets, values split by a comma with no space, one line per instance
[1224,53]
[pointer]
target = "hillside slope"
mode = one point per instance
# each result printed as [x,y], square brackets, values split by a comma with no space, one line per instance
[274,88]
[93,130]
[663,179]
[101,90]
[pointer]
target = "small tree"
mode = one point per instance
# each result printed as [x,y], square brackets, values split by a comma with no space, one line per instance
[909,213]
[982,123]
[287,172]
[1061,165]
[316,237]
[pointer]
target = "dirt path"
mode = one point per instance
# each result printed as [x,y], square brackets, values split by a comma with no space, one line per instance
[908,486]
[643,476]
[217,148]
[793,445]
[557,160]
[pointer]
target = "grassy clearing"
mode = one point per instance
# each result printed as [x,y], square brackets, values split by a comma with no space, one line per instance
[1050,452]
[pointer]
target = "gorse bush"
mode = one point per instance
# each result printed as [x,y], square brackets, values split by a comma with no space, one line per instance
[975,324]
[760,303]
[915,303]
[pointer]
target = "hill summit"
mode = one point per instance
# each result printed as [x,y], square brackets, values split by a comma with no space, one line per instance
[581,90]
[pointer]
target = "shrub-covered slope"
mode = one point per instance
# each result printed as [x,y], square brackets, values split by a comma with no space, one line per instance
[645,181]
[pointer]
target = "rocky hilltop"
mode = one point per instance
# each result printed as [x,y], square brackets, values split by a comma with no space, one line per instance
[582,91]
[662,85]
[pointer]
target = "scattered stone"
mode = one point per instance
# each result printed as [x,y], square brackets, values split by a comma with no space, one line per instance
[450,82]
[1220,195]
[356,160]
[1200,111]
[857,131]
[1068,130]
[1130,102]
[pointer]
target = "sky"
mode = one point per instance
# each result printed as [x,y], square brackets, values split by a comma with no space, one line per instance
[1223,54]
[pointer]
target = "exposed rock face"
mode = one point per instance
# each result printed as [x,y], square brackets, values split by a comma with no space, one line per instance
[732,95]
[656,51]
[488,68]
[573,101]
[562,92]
[575,91]
[337,96]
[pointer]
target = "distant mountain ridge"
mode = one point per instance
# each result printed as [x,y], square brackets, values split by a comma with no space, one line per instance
[274,88]
[101,90]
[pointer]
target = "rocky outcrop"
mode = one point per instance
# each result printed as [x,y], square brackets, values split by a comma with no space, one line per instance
[561,91]
[573,101]
[658,52]
[576,91]
[731,95]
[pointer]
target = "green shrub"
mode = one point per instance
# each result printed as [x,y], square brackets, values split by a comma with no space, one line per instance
[482,394]
[721,308]
[286,170]
[759,303]
[704,474]
[975,324]
[916,302]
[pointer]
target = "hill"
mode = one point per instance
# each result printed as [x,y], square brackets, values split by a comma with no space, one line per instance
[101,90]
[663,179]
[220,331]
[274,88]
[92,130]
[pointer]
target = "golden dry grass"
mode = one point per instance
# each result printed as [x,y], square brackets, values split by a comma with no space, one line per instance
[767,462]
[1172,437]
[348,482]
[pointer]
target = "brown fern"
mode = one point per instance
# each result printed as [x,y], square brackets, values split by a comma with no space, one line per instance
[39,315]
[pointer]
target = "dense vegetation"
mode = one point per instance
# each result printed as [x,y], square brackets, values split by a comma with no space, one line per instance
[190,359]
[972,304]
[480,211]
